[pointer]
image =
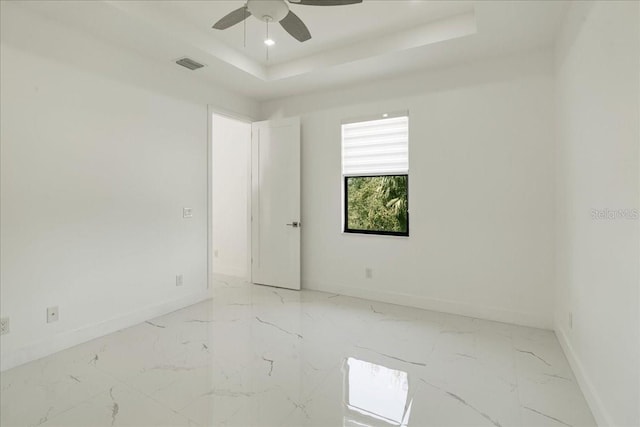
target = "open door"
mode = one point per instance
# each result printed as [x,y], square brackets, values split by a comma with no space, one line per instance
[275,203]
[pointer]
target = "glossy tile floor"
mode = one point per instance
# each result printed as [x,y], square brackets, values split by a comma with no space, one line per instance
[259,356]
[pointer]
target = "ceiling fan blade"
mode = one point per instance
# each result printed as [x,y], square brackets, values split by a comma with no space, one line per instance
[325,2]
[294,26]
[232,18]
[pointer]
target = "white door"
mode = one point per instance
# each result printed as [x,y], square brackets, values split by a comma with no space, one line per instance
[275,203]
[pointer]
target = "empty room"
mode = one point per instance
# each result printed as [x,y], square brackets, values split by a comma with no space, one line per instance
[330,213]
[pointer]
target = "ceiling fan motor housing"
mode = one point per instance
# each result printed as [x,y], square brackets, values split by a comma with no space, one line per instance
[268,10]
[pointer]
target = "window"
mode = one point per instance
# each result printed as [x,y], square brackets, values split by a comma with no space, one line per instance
[375,173]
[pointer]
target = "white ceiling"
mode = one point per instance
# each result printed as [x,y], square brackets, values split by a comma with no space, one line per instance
[331,27]
[366,41]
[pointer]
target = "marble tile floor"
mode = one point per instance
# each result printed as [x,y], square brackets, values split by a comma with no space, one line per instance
[260,356]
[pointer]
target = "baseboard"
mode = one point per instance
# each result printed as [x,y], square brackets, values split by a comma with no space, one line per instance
[72,338]
[453,307]
[601,415]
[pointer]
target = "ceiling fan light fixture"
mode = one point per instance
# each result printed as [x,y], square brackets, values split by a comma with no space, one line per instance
[269,42]
[277,11]
[268,10]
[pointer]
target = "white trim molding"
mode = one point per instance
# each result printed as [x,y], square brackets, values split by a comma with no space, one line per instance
[496,314]
[601,415]
[63,341]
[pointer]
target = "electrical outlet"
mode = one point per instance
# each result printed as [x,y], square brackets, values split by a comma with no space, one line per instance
[179,280]
[4,326]
[187,212]
[368,273]
[52,314]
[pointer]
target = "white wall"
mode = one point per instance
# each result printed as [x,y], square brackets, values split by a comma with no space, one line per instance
[101,149]
[481,191]
[231,148]
[598,277]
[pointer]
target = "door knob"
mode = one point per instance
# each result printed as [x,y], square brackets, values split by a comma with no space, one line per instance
[294,224]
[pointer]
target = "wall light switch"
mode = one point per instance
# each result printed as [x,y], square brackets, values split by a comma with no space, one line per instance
[179,280]
[368,273]
[187,212]
[52,314]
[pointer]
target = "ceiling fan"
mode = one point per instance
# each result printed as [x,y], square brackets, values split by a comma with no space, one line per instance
[277,11]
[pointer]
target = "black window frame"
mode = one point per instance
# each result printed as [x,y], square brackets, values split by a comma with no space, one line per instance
[372,232]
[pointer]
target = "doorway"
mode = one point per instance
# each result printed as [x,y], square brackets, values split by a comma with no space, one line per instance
[230,180]
[254,201]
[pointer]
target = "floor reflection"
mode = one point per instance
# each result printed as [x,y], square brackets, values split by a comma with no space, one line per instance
[375,395]
[263,357]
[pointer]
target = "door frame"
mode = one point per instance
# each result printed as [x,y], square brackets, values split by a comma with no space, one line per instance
[211,110]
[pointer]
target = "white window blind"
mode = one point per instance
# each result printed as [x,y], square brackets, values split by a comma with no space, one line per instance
[376,147]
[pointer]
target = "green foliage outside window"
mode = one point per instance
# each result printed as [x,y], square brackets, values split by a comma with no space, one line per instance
[378,204]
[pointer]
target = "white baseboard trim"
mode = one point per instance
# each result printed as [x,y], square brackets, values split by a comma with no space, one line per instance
[601,415]
[72,338]
[453,307]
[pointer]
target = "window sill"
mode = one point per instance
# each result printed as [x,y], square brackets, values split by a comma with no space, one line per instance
[369,235]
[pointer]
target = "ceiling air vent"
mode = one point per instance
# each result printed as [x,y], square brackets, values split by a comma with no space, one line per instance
[189,63]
